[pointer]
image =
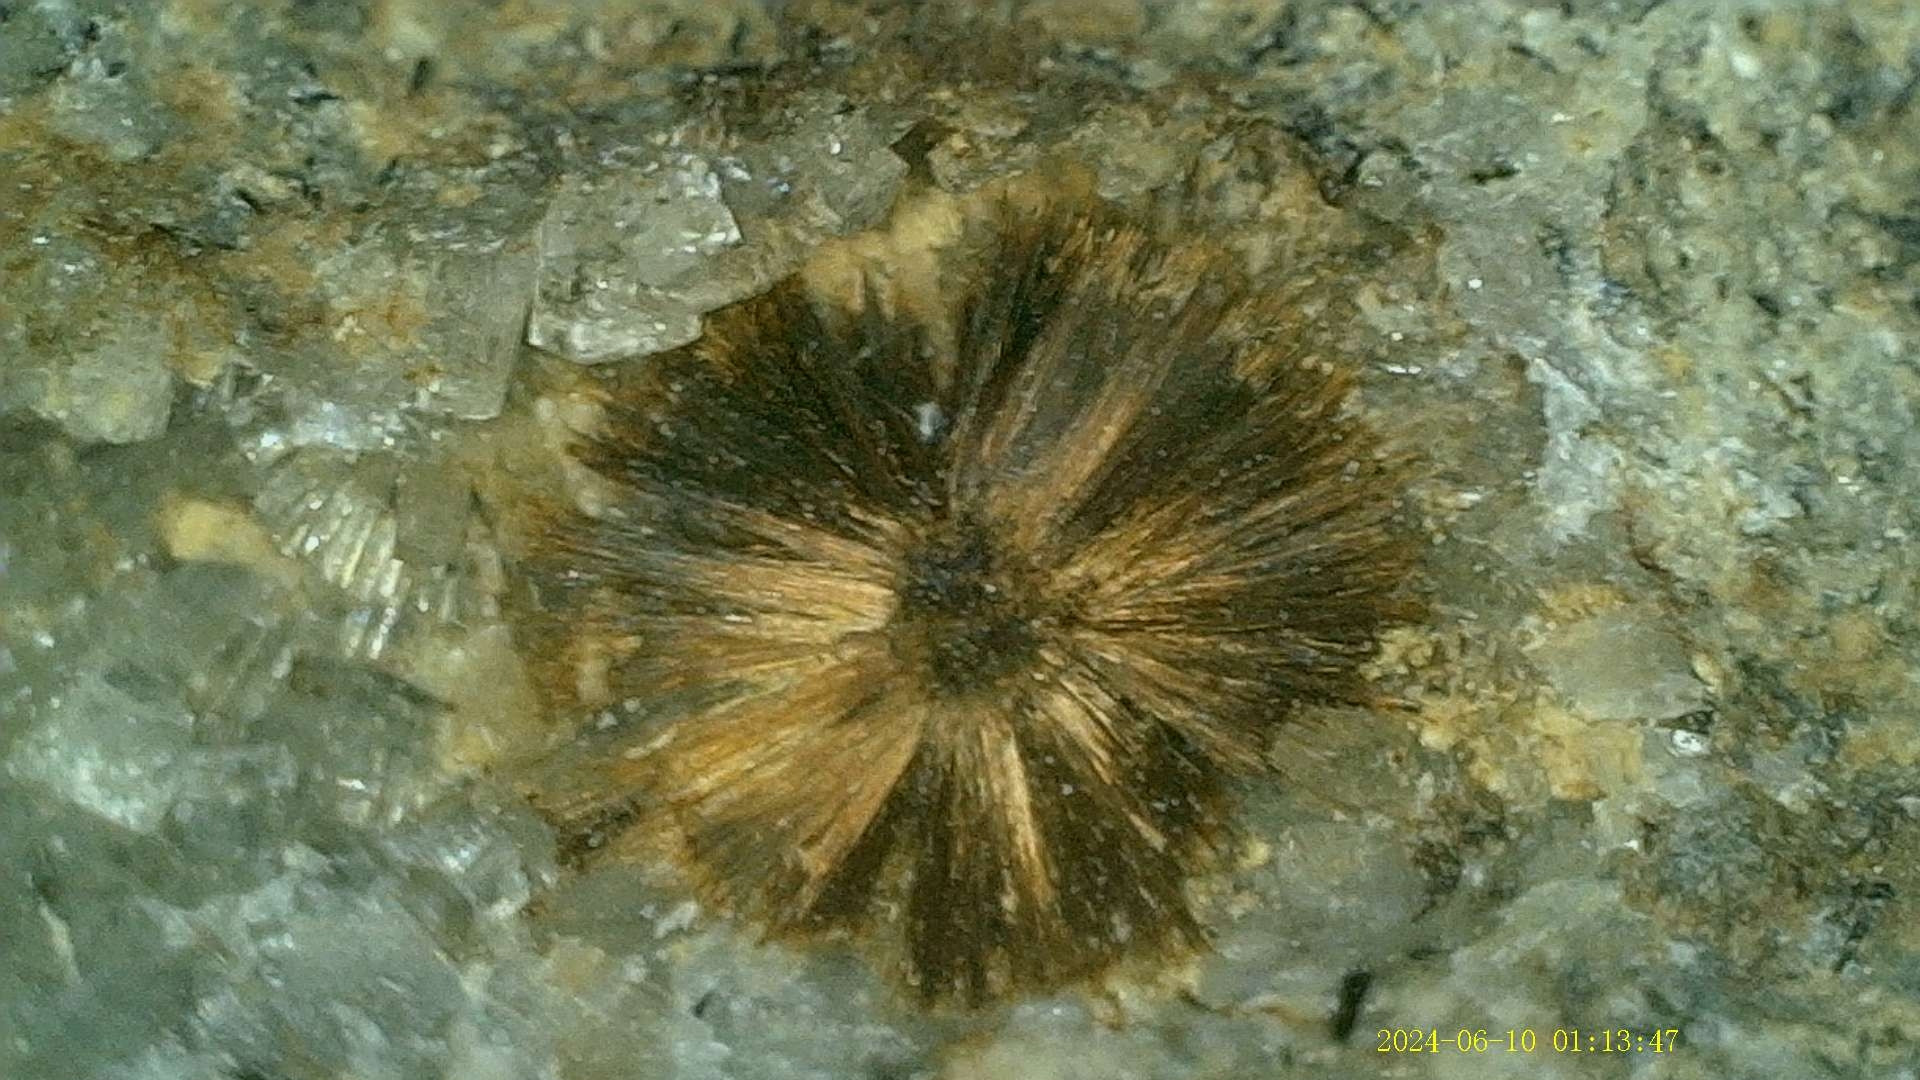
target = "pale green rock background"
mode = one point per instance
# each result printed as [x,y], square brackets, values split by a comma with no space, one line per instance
[291,299]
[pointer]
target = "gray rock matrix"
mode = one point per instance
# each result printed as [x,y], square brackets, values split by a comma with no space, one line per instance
[286,290]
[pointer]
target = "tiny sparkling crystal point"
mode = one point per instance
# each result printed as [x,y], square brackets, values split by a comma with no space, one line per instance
[951,616]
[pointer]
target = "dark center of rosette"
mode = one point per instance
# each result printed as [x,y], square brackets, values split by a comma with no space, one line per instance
[968,615]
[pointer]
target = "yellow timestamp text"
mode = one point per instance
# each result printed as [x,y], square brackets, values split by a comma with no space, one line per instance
[1529,1041]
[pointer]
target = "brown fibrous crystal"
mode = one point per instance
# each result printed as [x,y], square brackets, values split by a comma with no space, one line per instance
[953,614]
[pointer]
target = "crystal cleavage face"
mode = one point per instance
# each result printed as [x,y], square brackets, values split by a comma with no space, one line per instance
[960,610]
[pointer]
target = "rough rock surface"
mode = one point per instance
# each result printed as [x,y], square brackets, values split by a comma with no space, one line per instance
[294,299]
